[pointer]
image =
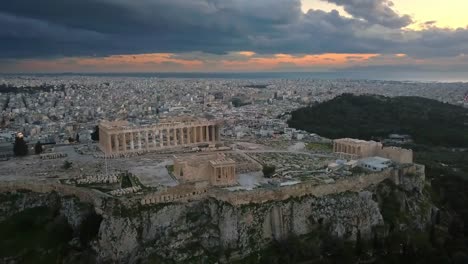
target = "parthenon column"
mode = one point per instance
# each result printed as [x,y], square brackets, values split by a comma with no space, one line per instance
[124,142]
[189,135]
[160,138]
[132,142]
[182,135]
[146,140]
[194,134]
[213,137]
[139,140]
[200,131]
[207,132]
[174,132]
[116,143]
[168,137]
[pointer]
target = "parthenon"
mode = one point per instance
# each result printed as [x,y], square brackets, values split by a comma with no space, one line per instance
[121,137]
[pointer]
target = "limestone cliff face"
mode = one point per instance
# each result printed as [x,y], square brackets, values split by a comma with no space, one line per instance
[209,230]
[189,232]
[68,206]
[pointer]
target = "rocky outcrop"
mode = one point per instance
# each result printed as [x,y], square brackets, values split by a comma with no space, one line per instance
[211,230]
[185,232]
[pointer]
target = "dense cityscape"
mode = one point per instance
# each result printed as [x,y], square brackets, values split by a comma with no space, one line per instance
[234,132]
[52,109]
[149,142]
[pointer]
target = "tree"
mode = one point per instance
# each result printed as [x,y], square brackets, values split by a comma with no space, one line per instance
[67,164]
[268,171]
[38,148]
[20,148]
[95,134]
[77,138]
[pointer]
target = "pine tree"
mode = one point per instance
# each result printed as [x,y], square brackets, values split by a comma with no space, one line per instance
[20,147]
[38,148]
[95,134]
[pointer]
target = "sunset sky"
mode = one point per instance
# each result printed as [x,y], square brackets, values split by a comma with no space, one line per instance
[233,35]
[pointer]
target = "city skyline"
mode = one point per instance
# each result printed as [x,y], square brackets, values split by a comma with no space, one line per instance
[235,36]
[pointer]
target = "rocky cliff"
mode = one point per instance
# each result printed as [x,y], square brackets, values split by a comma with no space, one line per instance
[209,230]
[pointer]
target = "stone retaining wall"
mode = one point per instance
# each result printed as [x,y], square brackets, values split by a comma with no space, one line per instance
[354,184]
[85,195]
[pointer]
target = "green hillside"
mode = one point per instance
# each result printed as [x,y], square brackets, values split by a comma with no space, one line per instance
[370,116]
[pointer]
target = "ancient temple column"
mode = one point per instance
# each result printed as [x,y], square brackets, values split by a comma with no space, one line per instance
[109,144]
[132,142]
[168,137]
[116,143]
[146,140]
[195,140]
[189,135]
[213,137]
[182,135]
[154,138]
[207,134]
[124,142]
[139,140]
[161,138]
[202,136]
[174,131]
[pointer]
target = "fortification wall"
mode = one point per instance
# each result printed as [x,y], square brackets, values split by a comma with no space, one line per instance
[354,184]
[85,195]
[399,155]
[175,194]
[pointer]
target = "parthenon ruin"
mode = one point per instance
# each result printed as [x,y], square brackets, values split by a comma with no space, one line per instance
[121,137]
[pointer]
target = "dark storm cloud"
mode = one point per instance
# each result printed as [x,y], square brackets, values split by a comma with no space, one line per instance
[374,11]
[51,28]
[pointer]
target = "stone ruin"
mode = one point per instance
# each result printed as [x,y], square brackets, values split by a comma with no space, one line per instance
[101,178]
[55,155]
[125,191]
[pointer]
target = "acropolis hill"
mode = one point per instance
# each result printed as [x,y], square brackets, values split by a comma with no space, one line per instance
[209,192]
[184,159]
[205,174]
[175,174]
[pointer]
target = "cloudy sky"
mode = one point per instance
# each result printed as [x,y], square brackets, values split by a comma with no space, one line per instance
[233,35]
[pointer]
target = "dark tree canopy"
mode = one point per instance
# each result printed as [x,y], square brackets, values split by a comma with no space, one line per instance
[20,147]
[95,134]
[268,171]
[369,116]
[38,148]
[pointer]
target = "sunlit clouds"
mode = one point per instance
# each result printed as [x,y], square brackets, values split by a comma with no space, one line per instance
[234,35]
